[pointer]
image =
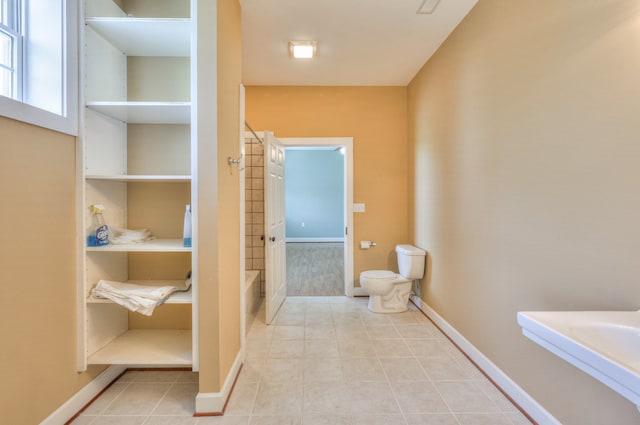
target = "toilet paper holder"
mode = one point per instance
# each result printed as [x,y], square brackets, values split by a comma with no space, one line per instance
[367,244]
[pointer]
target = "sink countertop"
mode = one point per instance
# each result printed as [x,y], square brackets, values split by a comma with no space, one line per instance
[604,344]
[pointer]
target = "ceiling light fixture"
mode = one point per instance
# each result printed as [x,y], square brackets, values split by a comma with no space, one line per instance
[427,7]
[303,49]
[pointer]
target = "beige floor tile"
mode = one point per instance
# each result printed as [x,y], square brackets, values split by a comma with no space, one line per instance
[465,396]
[84,420]
[362,369]
[276,420]
[288,349]
[326,420]
[278,399]
[382,332]
[223,420]
[282,332]
[283,370]
[322,369]
[431,419]
[356,347]
[320,331]
[440,368]
[378,420]
[137,399]
[372,398]
[402,369]
[119,420]
[105,399]
[180,400]
[391,348]
[242,399]
[419,397]
[324,348]
[483,419]
[171,420]
[434,347]
[326,397]
[415,330]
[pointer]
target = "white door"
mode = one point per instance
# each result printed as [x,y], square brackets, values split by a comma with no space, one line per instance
[275,247]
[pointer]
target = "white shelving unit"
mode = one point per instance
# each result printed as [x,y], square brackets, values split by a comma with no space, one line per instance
[156,245]
[134,158]
[145,112]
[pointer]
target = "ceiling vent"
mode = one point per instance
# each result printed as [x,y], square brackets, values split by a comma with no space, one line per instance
[427,7]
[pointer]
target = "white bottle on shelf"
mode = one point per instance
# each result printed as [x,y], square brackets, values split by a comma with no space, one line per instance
[186,233]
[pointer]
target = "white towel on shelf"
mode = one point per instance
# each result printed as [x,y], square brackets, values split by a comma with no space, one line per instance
[126,236]
[140,298]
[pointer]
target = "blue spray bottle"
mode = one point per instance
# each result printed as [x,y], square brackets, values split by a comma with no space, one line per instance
[100,234]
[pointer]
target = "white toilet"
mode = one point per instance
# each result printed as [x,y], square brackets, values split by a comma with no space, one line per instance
[389,292]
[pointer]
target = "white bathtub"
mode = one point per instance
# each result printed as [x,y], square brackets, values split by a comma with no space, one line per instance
[252,295]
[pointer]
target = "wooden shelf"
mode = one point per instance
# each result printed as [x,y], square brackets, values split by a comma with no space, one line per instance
[156,245]
[148,347]
[140,178]
[145,36]
[175,298]
[145,112]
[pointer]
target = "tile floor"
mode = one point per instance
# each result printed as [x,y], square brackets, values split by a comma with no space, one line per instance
[329,361]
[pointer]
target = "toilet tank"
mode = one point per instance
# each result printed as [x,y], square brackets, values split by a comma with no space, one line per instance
[410,261]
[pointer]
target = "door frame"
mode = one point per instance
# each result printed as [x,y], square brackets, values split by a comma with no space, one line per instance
[347,144]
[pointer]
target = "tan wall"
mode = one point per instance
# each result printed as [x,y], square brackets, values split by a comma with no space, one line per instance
[376,119]
[219,209]
[37,273]
[525,182]
[229,80]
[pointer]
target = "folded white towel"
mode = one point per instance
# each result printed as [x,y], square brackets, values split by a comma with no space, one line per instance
[126,236]
[140,298]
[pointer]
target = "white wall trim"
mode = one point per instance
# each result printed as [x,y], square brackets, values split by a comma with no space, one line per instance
[80,399]
[213,403]
[513,390]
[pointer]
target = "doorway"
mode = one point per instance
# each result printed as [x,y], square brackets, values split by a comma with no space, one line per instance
[319,216]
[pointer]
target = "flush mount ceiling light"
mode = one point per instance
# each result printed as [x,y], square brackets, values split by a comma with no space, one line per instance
[302,49]
[427,7]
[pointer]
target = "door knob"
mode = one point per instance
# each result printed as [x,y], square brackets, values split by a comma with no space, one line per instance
[272,238]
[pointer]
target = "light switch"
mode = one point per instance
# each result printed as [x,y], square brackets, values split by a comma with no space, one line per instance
[358,208]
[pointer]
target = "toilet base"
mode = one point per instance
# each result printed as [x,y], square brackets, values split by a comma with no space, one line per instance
[395,301]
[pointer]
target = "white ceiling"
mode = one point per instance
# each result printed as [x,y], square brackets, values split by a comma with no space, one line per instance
[360,42]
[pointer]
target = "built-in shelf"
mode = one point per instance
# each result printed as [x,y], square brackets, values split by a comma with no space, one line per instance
[155,245]
[145,36]
[140,178]
[175,298]
[147,347]
[145,112]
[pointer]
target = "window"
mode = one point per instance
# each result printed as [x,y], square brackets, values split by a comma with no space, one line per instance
[38,62]
[10,48]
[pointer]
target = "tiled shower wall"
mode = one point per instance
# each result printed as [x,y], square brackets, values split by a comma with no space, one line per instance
[254,207]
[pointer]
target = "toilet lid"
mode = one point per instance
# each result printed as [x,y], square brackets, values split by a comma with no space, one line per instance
[379,274]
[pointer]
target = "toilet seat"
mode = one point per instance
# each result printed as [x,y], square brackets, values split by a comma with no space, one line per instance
[383,275]
[379,274]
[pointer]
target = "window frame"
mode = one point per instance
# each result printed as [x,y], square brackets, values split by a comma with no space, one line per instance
[67,121]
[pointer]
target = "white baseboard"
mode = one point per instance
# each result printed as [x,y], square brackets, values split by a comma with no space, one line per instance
[513,390]
[84,396]
[359,292]
[213,403]
[312,240]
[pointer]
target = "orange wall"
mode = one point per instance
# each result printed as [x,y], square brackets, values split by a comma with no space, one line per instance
[523,135]
[37,273]
[376,118]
